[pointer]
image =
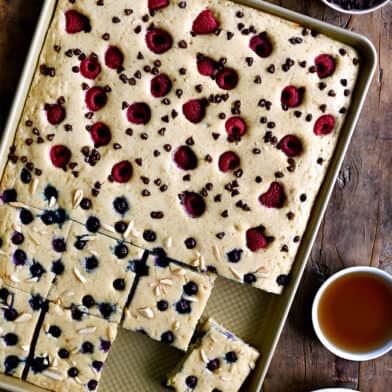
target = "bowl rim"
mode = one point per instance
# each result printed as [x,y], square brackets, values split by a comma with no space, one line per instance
[355,12]
[352,356]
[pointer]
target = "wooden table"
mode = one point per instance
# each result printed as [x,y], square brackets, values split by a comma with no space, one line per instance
[357,229]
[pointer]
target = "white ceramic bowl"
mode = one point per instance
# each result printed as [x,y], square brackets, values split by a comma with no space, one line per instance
[352,356]
[336,7]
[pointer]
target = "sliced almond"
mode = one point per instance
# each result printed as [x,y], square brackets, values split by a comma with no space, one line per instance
[53,374]
[25,347]
[215,251]
[202,263]
[169,242]
[111,333]
[87,331]
[176,325]
[166,282]
[157,291]
[127,232]
[235,273]
[14,278]
[190,298]
[79,275]
[224,378]
[77,198]
[18,204]
[177,270]
[32,280]
[67,293]
[204,356]
[52,202]
[34,186]
[146,312]
[23,318]
[89,237]
[108,227]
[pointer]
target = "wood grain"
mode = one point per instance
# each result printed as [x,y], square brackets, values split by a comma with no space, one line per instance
[358,224]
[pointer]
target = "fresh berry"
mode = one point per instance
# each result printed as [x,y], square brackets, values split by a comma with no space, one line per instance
[88,301]
[235,127]
[158,41]
[283,280]
[291,97]
[121,251]
[121,205]
[194,110]
[101,135]
[149,235]
[96,98]
[25,176]
[11,362]
[114,58]
[190,288]
[91,263]
[213,365]
[92,385]
[185,158]
[20,257]
[325,65]
[90,67]
[25,216]
[122,172]
[256,239]
[228,161]
[162,305]
[194,204]
[231,357]
[274,197]
[324,125]
[37,270]
[55,331]
[55,113]
[36,302]
[75,22]
[60,156]
[73,372]
[119,284]
[10,339]
[234,256]
[39,364]
[57,267]
[93,224]
[97,365]
[139,113]
[63,353]
[9,196]
[87,348]
[227,79]
[11,314]
[183,306]
[107,310]
[49,192]
[191,381]
[17,238]
[157,4]
[261,45]
[290,145]
[205,23]
[206,66]
[167,337]
[160,86]
[250,278]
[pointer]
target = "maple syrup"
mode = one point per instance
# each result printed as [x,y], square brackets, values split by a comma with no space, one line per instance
[355,312]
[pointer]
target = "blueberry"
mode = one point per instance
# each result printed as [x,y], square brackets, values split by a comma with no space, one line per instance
[213,364]
[283,280]
[4,293]
[191,381]
[216,390]
[25,216]
[91,263]
[250,278]
[55,331]
[85,204]
[183,306]
[77,314]
[139,267]
[37,270]
[39,364]
[36,302]
[80,244]
[190,243]
[10,314]
[149,235]
[167,337]
[162,305]
[25,176]
[92,385]
[120,227]
[63,353]
[20,257]
[93,224]
[212,269]
[88,301]
[48,218]
[121,205]
[11,363]
[11,339]
[17,238]
[87,348]
[50,191]
[59,245]
[57,267]
[105,345]
[121,251]
[190,288]
[60,216]
[98,365]
[9,195]
[231,357]
[119,284]
[73,372]
[234,256]
[106,309]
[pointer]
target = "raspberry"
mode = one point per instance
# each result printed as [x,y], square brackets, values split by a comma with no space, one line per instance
[157,4]
[194,110]
[291,97]
[261,45]
[325,65]
[324,125]
[205,23]
[139,113]
[114,58]
[185,158]
[90,67]
[159,41]
[206,66]
[160,86]
[55,113]
[235,127]
[255,239]
[122,172]
[95,98]
[228,161]
[274,197]
[194,204]
[290,145]
[227,79]
[100,134]
[60,156]
[75,22]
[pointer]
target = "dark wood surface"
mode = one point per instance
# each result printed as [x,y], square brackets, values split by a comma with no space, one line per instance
[357,229]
